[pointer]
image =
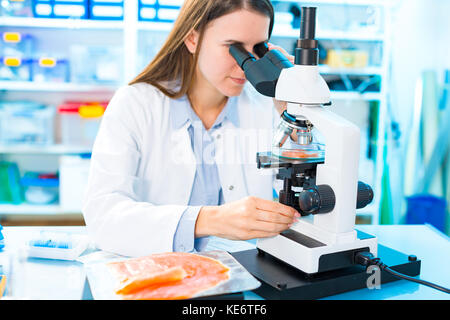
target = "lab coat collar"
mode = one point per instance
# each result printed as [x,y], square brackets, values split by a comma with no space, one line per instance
[181,112]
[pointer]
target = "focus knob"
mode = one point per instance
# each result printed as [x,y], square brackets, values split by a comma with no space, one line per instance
[317,199]
[365,195]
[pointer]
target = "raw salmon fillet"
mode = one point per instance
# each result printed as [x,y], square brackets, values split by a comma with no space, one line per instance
[174,275]
[298,154]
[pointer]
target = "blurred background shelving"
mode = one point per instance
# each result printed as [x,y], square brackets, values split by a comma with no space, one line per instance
[102,53]
[134,38]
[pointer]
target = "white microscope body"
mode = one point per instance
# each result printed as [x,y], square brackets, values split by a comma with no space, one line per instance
[306,92]
[324,238]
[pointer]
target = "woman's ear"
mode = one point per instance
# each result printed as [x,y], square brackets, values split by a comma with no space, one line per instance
[191,41]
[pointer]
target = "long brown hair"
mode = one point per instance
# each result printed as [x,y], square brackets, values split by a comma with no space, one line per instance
[174,62]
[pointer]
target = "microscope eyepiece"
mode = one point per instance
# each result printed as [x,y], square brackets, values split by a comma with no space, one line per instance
[262,73]
[308,23]
[241,55]
[261,49]
[307,52]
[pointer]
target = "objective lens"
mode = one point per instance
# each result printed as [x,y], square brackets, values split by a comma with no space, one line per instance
[286,128]
[304,136]
[281,134]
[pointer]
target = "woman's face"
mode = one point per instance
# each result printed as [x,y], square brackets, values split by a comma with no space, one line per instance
[216,67]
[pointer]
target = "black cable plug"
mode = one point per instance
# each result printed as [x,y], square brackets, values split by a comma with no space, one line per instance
[367,259]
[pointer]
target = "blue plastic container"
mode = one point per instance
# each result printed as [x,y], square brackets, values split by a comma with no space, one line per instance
[2,240]
[17,44]
[15,69]
[159,10]
[38,190]
[60,9]
[426,209]
[15,8]
[106,9]
[47,69]
[26,123]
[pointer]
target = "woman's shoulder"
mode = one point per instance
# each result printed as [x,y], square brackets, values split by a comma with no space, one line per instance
[139,98]
[140,91]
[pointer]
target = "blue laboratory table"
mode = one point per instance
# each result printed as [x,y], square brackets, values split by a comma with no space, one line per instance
[34,278]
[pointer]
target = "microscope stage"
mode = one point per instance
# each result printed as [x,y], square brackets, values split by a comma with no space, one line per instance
[270,160]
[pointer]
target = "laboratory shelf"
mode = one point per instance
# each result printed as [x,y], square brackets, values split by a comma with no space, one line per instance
[324,69]
[286,31]
[341,2]
[55,87]
[27,209]
[57,149]
[154,26]
[27,22]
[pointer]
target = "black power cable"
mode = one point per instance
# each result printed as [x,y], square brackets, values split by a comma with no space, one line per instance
[367,259]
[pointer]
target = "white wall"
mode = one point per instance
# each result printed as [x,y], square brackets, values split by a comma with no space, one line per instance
[420,41]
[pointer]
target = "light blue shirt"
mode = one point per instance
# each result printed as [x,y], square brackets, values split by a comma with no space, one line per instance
[206,189]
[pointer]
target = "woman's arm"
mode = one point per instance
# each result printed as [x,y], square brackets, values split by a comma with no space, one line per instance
[116,218]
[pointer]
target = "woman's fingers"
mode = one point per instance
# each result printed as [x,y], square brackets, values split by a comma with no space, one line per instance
[283,51]
[269,227]
[273,206]
[274,217]
[245,219]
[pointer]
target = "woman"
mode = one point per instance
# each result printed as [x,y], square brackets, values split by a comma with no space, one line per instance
[174,158]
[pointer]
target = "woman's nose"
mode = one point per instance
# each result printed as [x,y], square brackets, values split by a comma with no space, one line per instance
[239,72]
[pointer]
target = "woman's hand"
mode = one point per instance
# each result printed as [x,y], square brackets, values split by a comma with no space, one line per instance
[280,106]
[245,219]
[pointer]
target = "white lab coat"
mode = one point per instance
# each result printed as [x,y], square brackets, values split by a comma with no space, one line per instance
[142,170]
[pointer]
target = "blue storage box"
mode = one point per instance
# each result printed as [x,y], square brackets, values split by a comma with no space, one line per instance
[147,13]
[426,208]
[11,190]
[96,64]
[2,245]
[40,189]
[47,69]
[16,8]
[60,9]
[23,122]
[106,9]
[15,69]
[159,10]
[17,44]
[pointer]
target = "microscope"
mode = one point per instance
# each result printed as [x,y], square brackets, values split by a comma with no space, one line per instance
[316,153]
[319,180]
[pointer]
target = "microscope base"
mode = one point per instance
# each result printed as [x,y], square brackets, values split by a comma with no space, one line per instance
[282,281]
[312,256]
